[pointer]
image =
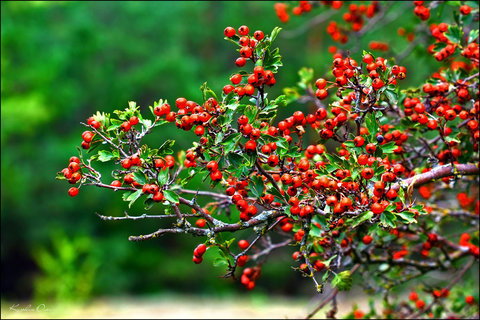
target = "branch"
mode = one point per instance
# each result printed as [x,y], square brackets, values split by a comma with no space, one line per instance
[143,216]
[437,173]
[330,297]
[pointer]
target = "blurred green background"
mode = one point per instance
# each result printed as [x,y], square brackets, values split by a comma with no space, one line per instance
[63,61]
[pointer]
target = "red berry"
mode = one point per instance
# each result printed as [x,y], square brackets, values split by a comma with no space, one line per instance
[73,191]
[258,35]
[229,32]
[243,30]
[367,239]
[116,183]
[200,250]
[243,244]
[370,148]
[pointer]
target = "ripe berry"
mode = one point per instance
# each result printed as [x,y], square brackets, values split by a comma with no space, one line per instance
[377,208]
[377,83]
[465,10]
[367,173]
[74,159]
[158,196]
[391,194]
[72,192]
[243,244]
[243,30]
[413,296]
[470,300]
[216,175]
[116,184]
[134,120]
[370,148]
[367,239]
[240,62]
[420,304]
[258,35]
[331,201]
[125,126]
[358,141]
[200,250]
[229,32]
[321,93]
[272,160]
[250,146]
[126,163]
[87,136]
[212,166]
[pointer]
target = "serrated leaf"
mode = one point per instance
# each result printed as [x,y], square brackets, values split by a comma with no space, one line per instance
[171,196]
[274,33]
[131,198]
[473,35]
[251,113]
[407,216]
[343,281]
[388,219]
[162,177]
[372,125]
[232,41]
[392,96]
[139,177]
[257,186]
[453,34]
[231,141]
[388,147]
[361,218]
[207,91]
[306,76]
[149,203]
[104,155]
[165,148]
[220,262]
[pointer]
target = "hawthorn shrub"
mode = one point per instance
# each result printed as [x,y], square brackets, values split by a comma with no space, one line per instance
[346,200]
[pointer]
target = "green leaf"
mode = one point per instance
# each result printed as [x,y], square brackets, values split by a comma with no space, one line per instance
[281,100]
[133,197]
[473,35]
[361,218]
[392,96]
[274,33]
[306,76]
[272,60]
[105,156]
[171,196]
[220,262]
[453,34]
[257,186]
[162,177]
[251,113]
[343,281]
[139,177]
[407,216]
[206,91]
[166,147]
[388,147]
[149,202]
[232,41]
[388,219]
[372,125]
[231,141]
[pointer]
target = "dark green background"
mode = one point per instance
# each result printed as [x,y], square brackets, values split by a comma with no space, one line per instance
[63,61]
